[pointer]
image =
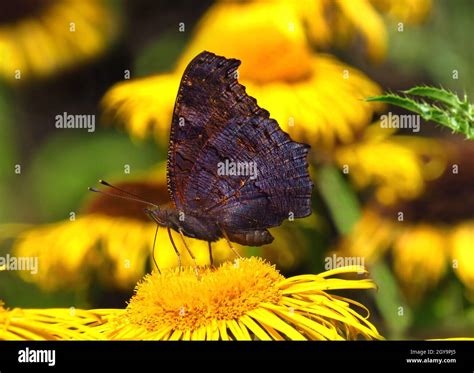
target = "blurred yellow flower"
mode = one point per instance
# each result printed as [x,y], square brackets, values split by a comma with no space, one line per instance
[397,166]
[419,258]
[426,235]
[337,23]
[462,243]
[70,251]
[244,300]
[39,38]
[280,53]
[314,97]
[340,23]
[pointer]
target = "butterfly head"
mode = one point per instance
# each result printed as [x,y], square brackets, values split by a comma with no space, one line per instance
[163,216]
[155,215]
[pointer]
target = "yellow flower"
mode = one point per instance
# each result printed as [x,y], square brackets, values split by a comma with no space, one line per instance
[397,166]
[419,258]
[244,300]
[39,38]
[349,19]
[70,251]
[278,68]
[47,324]
[427,235]
[280,53]
[339,22]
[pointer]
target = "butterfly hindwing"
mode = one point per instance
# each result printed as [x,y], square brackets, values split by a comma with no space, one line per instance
[280,186]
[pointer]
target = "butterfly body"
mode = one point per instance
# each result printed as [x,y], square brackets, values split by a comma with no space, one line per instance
[194,226]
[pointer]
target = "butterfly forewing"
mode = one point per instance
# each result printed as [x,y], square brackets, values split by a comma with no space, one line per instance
[215,121]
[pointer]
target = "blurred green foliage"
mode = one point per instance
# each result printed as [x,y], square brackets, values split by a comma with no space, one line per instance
[8,151]
[68,163]
[438,47]
[161,55]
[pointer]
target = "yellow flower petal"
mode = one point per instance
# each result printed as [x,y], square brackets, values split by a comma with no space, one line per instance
[398,167]
[420,258]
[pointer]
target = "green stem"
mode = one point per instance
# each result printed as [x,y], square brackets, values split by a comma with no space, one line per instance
[339,197]
[345,211]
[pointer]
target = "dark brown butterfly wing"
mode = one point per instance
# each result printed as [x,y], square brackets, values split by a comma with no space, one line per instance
[215,120]
[208,97]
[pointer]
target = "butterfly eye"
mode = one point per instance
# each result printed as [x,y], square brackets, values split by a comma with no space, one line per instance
[157,216]
[148,212]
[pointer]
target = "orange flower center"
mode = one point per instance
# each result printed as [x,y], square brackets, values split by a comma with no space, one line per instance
[183,301]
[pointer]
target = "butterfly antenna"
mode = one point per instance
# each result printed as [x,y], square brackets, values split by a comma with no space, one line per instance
[103,182]
[122,197]
[153,250]
[128,195]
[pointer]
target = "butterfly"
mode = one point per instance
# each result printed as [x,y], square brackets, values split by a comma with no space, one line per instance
[218,127]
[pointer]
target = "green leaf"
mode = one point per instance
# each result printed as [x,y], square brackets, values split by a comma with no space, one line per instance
[446,108]
[402,102]
[436,94]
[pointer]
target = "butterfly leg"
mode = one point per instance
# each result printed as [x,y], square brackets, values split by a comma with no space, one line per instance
[153,250]
[230,243]
[189,251]
[175,249]
[211,260]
